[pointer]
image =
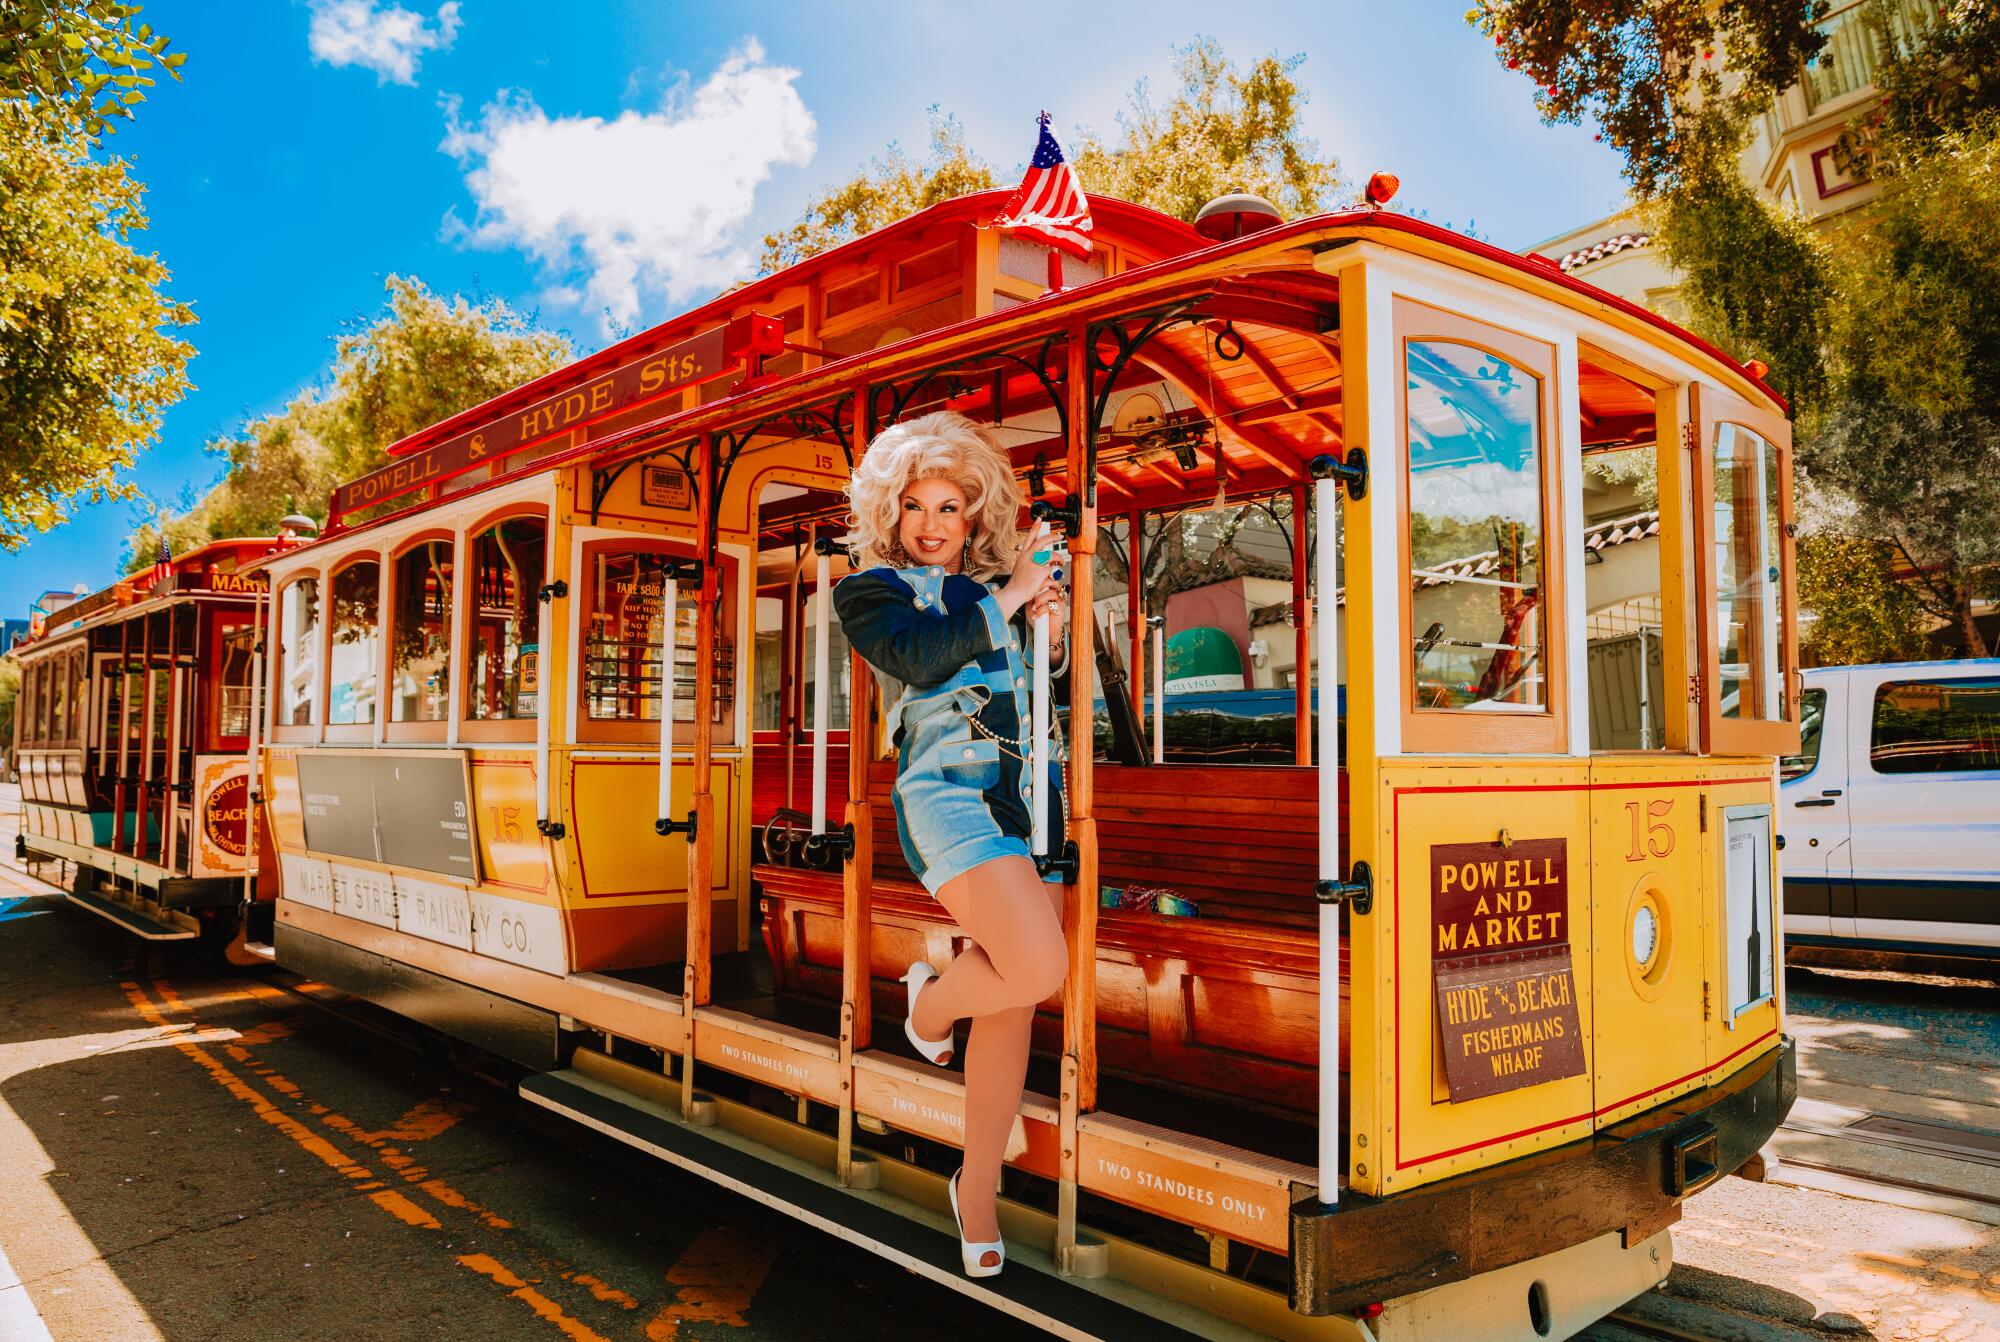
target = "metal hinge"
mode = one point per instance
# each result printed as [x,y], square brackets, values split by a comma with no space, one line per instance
[1704,813]
[1704,999]
[1690,437]
[1694,689]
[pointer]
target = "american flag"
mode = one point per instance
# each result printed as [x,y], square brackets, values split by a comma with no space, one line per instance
[1049,206]
[163,558]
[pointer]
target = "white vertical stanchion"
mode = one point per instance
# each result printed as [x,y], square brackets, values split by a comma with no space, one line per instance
[1038,752]
[1159,690]
[822,684]
[1326,504]
[669,673]
[544,665]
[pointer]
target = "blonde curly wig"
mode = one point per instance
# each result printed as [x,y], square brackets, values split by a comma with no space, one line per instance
[946,446]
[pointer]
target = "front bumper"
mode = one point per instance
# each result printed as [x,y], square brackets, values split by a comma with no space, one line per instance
[1627,1178]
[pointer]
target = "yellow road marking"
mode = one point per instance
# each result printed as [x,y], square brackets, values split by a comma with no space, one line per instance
[544,1307]
[718,1277]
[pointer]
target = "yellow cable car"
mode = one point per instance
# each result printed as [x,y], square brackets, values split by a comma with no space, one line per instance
[1432,651]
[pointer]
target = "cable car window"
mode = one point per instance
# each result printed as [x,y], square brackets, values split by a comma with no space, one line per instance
[298,638]
[354,657]
[421,634]
[233,692]
[767,698]
[1748,589]
[622,644]
[507,562]
[1476,551]
[1936,726]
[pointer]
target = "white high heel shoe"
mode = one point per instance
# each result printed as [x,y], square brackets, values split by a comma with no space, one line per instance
[936,1050]
[971,1254]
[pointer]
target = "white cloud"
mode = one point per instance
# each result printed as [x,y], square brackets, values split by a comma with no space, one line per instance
[390,41]
[643,202]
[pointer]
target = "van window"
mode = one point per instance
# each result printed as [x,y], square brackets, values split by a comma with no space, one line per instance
[1936,726]
[1812,721]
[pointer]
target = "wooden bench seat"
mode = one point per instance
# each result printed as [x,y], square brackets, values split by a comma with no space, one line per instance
[1227,1001]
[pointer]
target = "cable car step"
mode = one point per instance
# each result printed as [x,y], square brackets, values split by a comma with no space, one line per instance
[139,924]
[1030,1289]
[263,950]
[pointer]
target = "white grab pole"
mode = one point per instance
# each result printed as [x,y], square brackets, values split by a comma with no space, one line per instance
[1326,502]
[257,646]
[1160,692]
[544,620]
[822,684]
[669,672]
[1038,753]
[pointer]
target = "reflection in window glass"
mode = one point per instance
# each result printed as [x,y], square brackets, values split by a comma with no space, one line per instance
[421,673]
[1812,725]
[298,639]
[355,624]
[839,668]
[1475,530]
[622,645]
[507,562]
[1936,726]
[767,700]
[1746,575]
[1623,622]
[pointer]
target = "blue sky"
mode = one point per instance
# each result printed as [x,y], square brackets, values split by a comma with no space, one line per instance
[603,164]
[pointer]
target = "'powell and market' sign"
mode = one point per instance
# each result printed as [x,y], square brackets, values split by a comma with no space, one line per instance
[693,361]
[1506,991]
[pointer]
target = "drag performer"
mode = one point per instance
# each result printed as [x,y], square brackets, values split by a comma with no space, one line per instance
[942,607]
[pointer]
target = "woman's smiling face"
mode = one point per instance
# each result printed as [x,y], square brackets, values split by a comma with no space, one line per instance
[934,526]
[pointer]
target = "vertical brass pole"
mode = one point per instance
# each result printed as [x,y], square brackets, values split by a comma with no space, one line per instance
[857,1015]
[701,844]
[1079,1063]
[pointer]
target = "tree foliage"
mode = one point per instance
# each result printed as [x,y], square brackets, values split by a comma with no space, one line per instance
[884,190]
[89,362]
[1755,279]
[1223,130]
[424,358]
[72,67]
[1940,80]
[1862,612]
[1643,70]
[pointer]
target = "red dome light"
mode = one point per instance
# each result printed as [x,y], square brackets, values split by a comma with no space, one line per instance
[1758,369]
[1382,188]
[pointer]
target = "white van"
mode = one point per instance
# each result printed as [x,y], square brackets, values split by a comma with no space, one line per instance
[1891,811]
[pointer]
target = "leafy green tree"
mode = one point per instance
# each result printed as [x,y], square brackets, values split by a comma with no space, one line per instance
[89,362]
[10,694]
[72,67]
[1644,70]
[1862,611]
[1223,130]
[425,358]
[884,190]
[1940,80]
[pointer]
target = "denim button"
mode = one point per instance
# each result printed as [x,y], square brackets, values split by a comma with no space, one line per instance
[936,571]
[1020,680]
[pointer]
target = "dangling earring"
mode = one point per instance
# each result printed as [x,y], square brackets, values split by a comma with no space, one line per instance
[965,558]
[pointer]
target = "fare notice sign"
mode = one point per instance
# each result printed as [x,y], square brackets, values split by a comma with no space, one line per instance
[1500,954]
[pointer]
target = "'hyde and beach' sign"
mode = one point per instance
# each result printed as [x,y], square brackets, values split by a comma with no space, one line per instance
[1506,990]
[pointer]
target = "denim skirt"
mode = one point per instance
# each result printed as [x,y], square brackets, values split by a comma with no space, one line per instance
[960,799]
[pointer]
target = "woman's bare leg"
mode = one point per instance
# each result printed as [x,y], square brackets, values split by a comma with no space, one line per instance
[1018,962]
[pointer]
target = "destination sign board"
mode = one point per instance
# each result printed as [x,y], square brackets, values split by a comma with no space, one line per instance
[401,808]
[698,359]
[1506,987]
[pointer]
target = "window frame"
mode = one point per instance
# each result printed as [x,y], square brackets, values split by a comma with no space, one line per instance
[275,633]
[1711,408]
[1463,731]
[497,729]
[603,731]
[428,729]
[350,733]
